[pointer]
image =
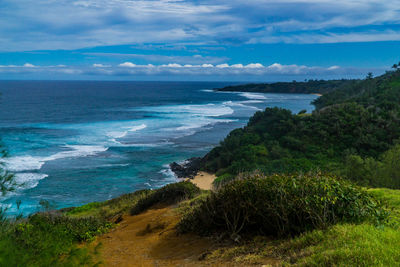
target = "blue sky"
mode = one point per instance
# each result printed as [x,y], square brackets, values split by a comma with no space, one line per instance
[252,40]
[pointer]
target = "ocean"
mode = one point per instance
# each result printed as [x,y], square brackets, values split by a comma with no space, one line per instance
[74,142]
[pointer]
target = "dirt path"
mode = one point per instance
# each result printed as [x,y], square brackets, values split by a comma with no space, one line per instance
[149,239]
[204,180]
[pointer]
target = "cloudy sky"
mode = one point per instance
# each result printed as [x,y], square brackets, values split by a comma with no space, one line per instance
[252,40]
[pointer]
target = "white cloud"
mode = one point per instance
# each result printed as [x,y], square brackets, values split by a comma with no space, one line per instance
[63,24]
[172,65]
[127,64]
[254,66]
[29,65]
[222,66]
[237,66]
[128,69]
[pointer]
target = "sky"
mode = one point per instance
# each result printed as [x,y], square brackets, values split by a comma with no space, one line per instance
[210,40]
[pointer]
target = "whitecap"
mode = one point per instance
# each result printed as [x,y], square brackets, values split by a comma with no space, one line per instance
[208,110]
[241,104]
[257,96]
[121,134]
[26,163]
[168,173]
[29,180]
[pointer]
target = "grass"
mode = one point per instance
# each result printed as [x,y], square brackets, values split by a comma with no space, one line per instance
[344,245]
[340,245]
[167,195]
[48,240]
[53,240]
[110,208]
[392,198]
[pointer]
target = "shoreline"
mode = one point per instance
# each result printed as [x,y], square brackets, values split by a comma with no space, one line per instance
[203,180]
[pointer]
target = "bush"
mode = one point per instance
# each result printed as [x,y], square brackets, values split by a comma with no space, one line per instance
[168,194]
[282,205]
[376,173]
[108,209]
[47,239]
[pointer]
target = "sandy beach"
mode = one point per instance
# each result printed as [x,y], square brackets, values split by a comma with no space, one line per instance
[203,180]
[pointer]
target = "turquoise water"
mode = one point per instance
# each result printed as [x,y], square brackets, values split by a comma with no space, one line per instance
[71,143]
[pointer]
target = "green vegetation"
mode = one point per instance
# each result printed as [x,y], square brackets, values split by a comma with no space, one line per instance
[168,194]
[381,172]
[308,87]
[44,239]
[51,238]
[278,186]
[333,138]
[109,209]
[282,205]
[48,240]
[343,244]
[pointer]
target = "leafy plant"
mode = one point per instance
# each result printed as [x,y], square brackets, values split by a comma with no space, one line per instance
[282,205]
[168,194]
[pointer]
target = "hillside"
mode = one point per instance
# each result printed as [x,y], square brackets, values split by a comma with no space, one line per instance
[361,119]
[308,87]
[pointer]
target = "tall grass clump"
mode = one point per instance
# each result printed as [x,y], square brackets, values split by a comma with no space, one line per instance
[168,194]
[282,205]
[45,239]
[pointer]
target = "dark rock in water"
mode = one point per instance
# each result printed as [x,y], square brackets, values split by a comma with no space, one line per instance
[188,169]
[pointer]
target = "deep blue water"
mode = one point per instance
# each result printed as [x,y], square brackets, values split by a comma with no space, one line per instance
[75,142]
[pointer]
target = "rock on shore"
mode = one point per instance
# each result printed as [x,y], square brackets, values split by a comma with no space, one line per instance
[187,169]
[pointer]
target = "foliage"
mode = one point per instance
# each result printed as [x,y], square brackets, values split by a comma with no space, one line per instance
[343,245]
[383,172]
[282,205]
[339,245]
[168,194]
[308,87]
[48,240]
[110,208]
[276,141]
[381,91]
[7,179]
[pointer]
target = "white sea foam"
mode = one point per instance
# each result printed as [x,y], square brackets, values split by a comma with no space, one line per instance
[208,110]
[168,173]
[252,101]
[26,163]
[242,104]
[29,180]
[256,96]
[121,134]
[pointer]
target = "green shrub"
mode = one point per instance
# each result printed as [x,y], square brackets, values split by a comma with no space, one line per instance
[376,173]
[47,239]
[223,179]
[168,194]
[282,205]
[79,229]
[110,208]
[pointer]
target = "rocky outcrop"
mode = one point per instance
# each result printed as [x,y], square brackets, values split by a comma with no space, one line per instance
[187,169]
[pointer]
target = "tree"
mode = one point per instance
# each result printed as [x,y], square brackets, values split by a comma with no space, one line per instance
[7,179]
[370,76]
